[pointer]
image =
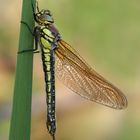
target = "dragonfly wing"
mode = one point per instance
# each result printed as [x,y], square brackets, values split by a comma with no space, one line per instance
[78,76]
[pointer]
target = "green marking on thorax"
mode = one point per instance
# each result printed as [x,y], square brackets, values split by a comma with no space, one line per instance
[47,32]
[46,44]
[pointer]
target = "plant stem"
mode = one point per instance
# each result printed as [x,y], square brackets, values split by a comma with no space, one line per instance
[21,111]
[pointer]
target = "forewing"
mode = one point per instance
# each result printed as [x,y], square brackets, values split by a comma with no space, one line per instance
[77,75]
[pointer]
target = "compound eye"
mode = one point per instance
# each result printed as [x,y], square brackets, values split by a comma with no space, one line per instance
[49,18]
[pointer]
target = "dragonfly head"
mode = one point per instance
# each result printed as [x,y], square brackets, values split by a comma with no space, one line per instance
[44,17]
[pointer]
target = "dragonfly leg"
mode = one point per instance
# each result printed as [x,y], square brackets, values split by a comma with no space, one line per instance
[28,50]
[35,50]
[37,6]
[25,23]
[36,41]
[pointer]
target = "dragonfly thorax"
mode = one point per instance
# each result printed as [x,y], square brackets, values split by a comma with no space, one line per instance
[44,17]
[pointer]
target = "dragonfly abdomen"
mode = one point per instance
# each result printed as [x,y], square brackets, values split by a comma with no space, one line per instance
[48,67]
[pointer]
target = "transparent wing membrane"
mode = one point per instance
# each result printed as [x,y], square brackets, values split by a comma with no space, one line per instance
[78,76]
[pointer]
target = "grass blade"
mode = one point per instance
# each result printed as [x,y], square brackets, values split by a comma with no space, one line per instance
[21,111]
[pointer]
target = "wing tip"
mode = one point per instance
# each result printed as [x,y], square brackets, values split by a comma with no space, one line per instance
[124,104]
[121,105]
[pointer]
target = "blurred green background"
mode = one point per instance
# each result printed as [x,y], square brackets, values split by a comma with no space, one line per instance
[107,34]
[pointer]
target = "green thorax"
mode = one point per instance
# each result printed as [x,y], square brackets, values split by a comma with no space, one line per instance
[47,38]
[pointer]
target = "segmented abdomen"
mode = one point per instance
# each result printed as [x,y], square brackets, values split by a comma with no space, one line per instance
[48,67]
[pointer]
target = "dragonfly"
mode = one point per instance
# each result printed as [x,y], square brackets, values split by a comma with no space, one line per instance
[62,60]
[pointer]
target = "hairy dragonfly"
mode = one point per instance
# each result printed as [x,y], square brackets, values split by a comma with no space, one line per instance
[60,58]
